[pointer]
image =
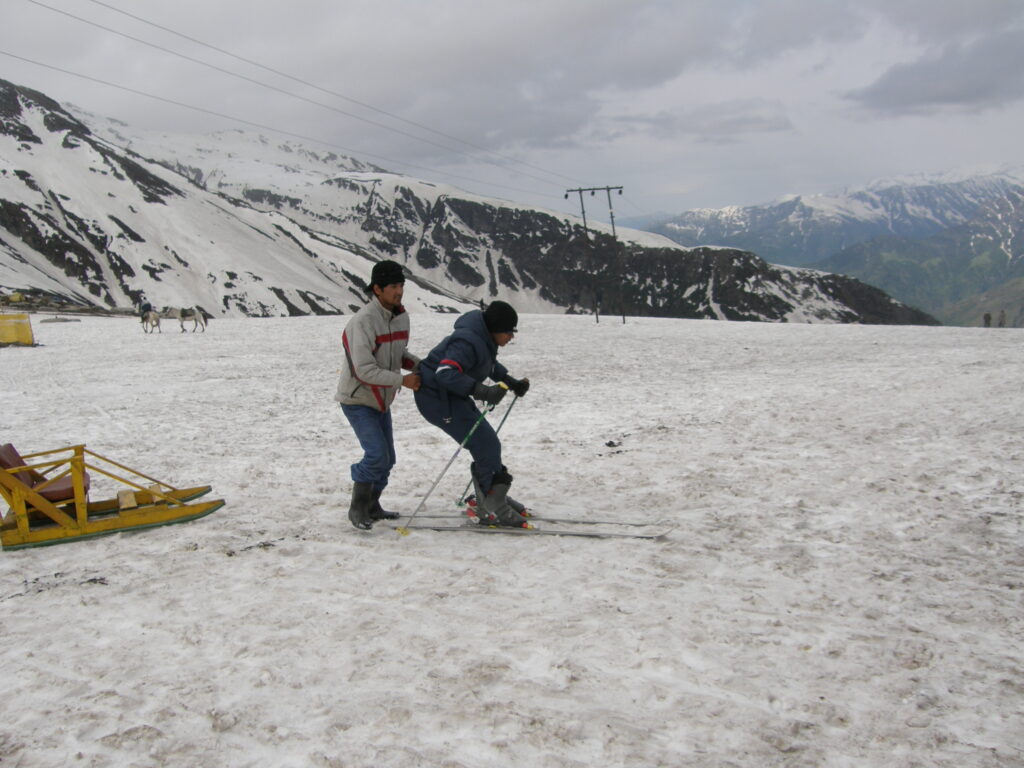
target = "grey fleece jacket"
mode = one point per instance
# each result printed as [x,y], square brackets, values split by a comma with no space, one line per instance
[376,344]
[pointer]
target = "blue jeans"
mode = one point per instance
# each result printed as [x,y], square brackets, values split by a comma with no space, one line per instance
[373,429]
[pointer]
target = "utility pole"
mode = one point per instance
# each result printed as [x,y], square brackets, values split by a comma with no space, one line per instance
[592,191]
[611,216]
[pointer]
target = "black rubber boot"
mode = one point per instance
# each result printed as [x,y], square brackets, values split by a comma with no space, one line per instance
[359,509]
[377,512]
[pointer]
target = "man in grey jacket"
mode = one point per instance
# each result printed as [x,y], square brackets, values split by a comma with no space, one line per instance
[376,342]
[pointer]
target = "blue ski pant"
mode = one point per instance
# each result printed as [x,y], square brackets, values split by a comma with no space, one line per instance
[484,445]
[375,434]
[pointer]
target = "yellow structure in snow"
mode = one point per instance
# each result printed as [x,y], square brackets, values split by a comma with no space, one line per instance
[48,494]
[16,329]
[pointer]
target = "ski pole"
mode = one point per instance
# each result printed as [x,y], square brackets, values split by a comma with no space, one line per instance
[496,431]
[404,529]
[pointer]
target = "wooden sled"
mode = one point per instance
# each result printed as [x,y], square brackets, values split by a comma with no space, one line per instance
[49,498]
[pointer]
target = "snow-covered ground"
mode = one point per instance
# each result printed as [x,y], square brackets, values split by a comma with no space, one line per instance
[845,585]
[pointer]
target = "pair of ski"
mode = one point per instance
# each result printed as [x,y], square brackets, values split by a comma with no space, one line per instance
[621,530]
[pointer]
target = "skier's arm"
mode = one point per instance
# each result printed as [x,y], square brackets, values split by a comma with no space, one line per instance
[458,357]
[499,372]
[501,375]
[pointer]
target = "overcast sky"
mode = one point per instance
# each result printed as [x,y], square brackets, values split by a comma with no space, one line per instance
[684,103]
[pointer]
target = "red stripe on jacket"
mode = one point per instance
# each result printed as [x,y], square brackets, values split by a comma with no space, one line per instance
[373,387]
[451,362]
[387,338]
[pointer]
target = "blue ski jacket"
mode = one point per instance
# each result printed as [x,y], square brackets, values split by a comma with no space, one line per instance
[462,360]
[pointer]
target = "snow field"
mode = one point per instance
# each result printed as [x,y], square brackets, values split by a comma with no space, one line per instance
[843,587]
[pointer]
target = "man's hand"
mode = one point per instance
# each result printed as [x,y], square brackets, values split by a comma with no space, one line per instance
[519,387]
[411,381]
[491,395]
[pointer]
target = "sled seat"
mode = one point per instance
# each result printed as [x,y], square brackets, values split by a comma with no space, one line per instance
[52,509]
[58,489]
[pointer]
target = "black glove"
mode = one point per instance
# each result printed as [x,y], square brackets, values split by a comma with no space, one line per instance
[491,395]
[519,387]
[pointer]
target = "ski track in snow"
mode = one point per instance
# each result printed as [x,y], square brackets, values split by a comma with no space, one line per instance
[844,587]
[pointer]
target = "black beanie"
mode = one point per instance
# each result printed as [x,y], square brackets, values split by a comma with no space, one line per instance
[500,318]
[386,273]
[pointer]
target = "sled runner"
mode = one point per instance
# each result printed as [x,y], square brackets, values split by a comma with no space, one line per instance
[49,498]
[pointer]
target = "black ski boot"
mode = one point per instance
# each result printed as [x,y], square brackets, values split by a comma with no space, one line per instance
[522,509]
[495,504]
[359,509]
[475,506]
[475,502]
[377,512]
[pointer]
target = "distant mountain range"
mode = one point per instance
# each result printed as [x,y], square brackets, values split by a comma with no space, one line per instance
[973,264]
[937,244]
[94,212]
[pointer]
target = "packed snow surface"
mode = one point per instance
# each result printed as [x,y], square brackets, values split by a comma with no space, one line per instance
[844,585]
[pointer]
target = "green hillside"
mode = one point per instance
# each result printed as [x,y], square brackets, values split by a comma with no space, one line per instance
[956,275]
[1008,298]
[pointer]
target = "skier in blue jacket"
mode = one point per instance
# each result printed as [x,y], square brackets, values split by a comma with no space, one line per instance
[452,375]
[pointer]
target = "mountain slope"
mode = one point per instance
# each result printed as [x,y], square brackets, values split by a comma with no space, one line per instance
[239,224]
[1004,302]
[939,272]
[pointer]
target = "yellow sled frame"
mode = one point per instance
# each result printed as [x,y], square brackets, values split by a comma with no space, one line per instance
[34,520]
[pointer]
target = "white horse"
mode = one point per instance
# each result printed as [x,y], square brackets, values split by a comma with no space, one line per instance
[150,320]
[195,314]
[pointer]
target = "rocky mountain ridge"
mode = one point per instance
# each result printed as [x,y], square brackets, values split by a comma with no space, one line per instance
[91,211]
[931,242]
[804,230]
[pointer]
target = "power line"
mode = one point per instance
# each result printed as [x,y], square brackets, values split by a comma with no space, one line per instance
[284,91]
[246,79]
[261,126]
[329,92]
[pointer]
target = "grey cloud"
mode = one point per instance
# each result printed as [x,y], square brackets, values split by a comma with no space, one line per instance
[539,80]
[944,21]
[985,73]
[766,30]
[717,123]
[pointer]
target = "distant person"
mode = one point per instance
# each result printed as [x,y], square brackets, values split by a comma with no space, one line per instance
[987,319]
[453,375]
[1002,318]
[376,343]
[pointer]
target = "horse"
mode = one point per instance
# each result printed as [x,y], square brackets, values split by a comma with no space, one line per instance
[150,320]
[195,314]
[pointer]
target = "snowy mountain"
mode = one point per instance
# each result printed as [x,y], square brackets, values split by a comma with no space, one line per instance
[239,224]
[85,220]
[950,274]
[804,230]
